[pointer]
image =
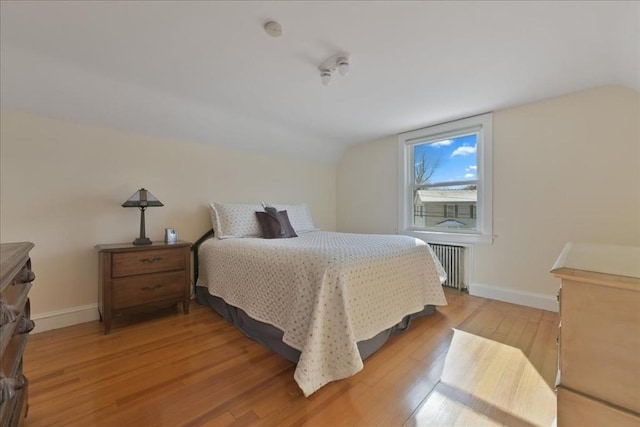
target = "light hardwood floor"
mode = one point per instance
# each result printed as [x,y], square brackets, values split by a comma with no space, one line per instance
[474,362]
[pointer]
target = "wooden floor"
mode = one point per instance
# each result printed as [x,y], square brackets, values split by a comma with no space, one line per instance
[474,362]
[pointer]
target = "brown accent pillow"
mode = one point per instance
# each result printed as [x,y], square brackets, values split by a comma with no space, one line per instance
[269,225]
[275,225]
[287,228]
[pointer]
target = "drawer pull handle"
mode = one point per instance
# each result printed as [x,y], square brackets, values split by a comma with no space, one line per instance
[150,288]
[25,325]
[151,260]
[8,313]
[26,276]
[8,387]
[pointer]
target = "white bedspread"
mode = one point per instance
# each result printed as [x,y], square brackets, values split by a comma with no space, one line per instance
[325,290]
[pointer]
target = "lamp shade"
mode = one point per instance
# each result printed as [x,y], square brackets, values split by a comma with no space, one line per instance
[142,199]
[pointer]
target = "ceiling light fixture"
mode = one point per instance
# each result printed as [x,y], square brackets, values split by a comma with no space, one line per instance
[338,62]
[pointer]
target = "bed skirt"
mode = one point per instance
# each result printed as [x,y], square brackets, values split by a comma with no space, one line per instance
[271,337]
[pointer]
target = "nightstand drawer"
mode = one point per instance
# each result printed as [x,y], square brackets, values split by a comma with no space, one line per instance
[132,291]
[143,262]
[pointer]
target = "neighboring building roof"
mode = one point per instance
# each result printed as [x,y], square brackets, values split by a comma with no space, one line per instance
[447,196]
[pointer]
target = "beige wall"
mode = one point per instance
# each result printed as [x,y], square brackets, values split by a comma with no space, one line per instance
[62,185]
[367,197]
[565,169]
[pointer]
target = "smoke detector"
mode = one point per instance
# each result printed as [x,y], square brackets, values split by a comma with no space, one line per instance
[273,29]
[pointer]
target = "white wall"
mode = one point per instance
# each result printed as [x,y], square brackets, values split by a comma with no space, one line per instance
[564,169]
[367,197]
[62,184]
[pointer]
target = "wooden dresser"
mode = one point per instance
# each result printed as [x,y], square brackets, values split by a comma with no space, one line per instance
[599,353]
[135,276]
[15,325]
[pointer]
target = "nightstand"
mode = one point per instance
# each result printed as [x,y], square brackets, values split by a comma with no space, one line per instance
[137,276]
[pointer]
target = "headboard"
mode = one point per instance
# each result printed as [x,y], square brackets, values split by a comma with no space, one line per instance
[209,234]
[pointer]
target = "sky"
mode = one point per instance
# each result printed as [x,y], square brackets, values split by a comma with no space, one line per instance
[458,158]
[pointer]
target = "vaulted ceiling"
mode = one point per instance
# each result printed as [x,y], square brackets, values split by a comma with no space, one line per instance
[208,72]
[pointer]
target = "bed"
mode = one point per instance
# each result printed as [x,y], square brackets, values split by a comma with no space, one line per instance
[323,300]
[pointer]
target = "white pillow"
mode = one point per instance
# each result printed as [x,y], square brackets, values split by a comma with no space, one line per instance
[299,217]
[235,219]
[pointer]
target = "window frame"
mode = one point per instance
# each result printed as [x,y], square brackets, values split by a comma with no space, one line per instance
[483,125]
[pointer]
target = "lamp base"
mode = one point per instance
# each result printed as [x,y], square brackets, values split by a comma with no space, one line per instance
[142,241]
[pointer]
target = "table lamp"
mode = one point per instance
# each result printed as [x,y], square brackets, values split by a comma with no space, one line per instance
[142,199]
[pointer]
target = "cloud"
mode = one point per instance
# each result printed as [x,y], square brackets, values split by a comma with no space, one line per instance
[465,150]
[469,175]
[442,143]
[473,167]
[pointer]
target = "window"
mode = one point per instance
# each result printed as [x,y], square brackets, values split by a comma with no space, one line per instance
[450,211]
[445,181]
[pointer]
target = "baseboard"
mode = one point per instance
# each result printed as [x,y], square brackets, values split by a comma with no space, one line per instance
[529,299]
[89,313]
[67,317]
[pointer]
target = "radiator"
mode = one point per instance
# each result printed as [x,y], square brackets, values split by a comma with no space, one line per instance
[452,259]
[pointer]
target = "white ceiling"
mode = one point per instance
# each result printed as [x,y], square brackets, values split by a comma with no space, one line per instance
[208,72]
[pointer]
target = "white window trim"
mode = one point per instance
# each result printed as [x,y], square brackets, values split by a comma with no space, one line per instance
[484,212]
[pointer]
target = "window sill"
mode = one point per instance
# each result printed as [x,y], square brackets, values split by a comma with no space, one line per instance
[449,238]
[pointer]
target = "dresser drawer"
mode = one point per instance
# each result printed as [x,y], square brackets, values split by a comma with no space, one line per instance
[133,291]
[143,262]
[578,410]
[14,411]
[12,304]
[15,293]
[599,342]
[12,355]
